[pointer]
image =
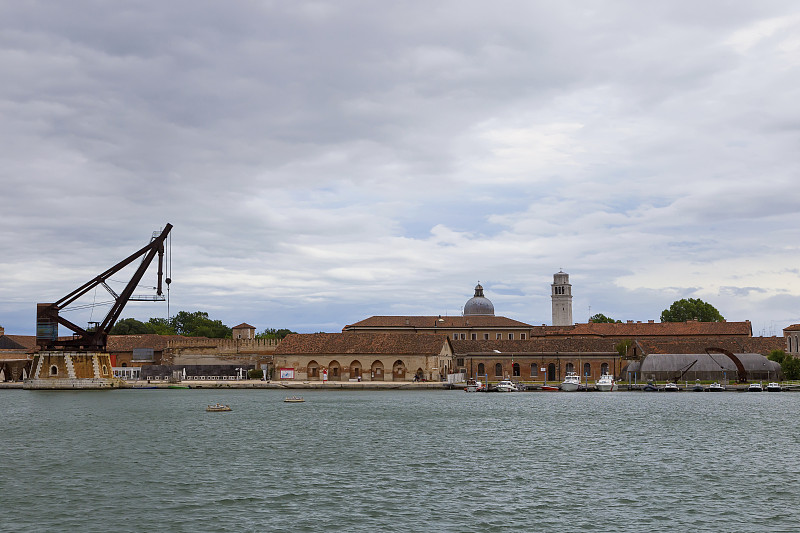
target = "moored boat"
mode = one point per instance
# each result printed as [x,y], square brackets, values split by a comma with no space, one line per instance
[571,383]
[549,388]
[671,387]
[473,385]
[294,399]
[774,387]
[755,387]
[506,386]
[605,383]
[716,387]
[218,408]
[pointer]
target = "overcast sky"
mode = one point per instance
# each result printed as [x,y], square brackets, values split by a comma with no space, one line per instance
[323,162]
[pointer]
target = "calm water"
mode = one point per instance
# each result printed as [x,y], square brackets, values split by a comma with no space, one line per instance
[154,460]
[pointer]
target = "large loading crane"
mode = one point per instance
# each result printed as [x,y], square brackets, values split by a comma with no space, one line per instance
[95,338]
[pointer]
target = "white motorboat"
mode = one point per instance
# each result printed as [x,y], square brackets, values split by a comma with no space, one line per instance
[671,387]
[473,385]
[506,386]
[774,387]
[755,387]
[716,387]
[605,383]
[571,383]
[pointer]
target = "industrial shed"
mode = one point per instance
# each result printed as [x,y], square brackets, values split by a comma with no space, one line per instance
[702,366]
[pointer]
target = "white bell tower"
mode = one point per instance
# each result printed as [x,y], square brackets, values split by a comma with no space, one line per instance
[561,295]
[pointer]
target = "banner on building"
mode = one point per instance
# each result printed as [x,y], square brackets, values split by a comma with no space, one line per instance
[287,373]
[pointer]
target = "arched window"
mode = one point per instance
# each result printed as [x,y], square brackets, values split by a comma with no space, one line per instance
[533,369]
[587,369]
[54,370]
[481,369]
[515,370]
[604,369]
[105,370]
[498,369]
[570,367]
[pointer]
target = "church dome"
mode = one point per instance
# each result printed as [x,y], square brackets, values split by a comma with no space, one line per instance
[478,304]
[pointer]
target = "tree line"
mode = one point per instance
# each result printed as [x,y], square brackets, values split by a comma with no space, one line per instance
[196,324]
[679,311]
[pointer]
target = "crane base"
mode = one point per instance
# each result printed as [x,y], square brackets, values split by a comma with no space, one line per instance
[71,370]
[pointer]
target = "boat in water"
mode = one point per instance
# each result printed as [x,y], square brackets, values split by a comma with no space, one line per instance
[698,387]
[506,386]
[671,387]
[605,383]
[650,387]
[473,385]
[218,408]
[549,388]
[571,383]
[755,387]
[294,399]
[774,387]
[716,387]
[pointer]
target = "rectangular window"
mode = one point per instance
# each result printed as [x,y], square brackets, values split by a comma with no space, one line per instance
[511,336]
[463,336]
[455,336]
[522,336]
[460,361]
[486,336]
[474,336]
[499,336]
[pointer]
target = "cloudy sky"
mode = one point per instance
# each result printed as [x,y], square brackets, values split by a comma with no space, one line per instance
[326,161]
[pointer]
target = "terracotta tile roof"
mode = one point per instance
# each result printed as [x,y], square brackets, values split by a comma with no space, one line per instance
[244,325]
[361,343]
[17,342]
[760,345]
[543,345]
[126,343]
[793,327]
[665,329]
[428,322]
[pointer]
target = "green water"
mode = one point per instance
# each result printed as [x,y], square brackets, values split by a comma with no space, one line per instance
[155,460]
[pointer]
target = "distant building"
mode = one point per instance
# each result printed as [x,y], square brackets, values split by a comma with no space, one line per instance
[561,298]
[364,357]
[244,331]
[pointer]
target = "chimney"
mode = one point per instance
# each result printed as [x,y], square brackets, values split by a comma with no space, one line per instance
[2,331]
[651,321]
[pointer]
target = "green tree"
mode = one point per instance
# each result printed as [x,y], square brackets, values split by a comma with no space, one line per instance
[600,318]
[790,366]
[623,346]
[198,324]
[690,309]
[129,326]
[272,333]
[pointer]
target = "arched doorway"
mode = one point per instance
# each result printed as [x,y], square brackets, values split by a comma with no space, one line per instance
[398,370]
[355,370]
[481,369]
[515,371]
[587,369]
[551,372]
[312,370]
[377,371]
[334,371]
[498,370]
[534,370]
[604,369]
[419,375]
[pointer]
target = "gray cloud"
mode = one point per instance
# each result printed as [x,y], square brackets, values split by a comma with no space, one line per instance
[322,162]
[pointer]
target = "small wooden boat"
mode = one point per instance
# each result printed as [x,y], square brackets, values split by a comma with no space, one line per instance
[550,388]
[294,399]
[218,408]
